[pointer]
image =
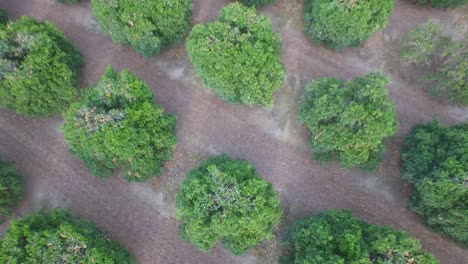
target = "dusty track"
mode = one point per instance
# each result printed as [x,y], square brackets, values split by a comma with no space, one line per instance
[142,215]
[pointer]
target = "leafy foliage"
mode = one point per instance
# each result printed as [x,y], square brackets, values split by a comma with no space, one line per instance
[345,23]
[443,3]
[57,237]
[148,26]
[436,162]
[226,200]
[340,237]
[118,124]
[238,56]
[11,188]
[428,48]
[3,17]
[38,68]
[349,119]
[256,2]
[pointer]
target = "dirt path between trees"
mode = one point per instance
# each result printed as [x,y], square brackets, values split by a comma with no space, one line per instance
[142,216]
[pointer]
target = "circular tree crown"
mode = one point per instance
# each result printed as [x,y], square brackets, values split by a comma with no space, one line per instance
[57,237]
[345,23]
[238,56]
[38,71]
[118,124]
[349,119]
[147,25]
[435,160]
[340,237]
[226,200]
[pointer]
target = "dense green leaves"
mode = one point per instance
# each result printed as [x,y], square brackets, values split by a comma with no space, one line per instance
[349,119]
[345,23]
[226,200]
[443,3]
[38,68]
[238,56]
[11,188]
[447,60]
[147,25]
[256,2]
[57,237]
[339,237]
[436,162]
[118,124]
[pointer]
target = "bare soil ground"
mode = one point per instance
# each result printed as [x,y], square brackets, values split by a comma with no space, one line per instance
[142,216]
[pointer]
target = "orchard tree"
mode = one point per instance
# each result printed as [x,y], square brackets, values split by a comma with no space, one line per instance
[57,237]
[345,23]
[148,26]
[238,56]
[337,236]
[11,189]
[443,3]
[225,200]
[349,120]
[446,60]
[118,124]
[38,68]
[435,160]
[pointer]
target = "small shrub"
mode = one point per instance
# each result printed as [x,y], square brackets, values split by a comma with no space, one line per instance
[349,119]
[442,3]
[226,200]
[38,68]
[428,48]
[340,237]
[3,17]
[238,56]
[256,2]
[11,189]
[148,26]
[436,162]
[345,23]
[118,124]
[57,237]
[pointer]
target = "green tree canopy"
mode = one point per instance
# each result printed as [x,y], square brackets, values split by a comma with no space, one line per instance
[148,26]
[349,119]
[226,200]
[436,162]
[38,68]
[443,3]
[118,124]
[238,56]
[446,60]
[339,237]
[57,237]
[11,188]
[345,23]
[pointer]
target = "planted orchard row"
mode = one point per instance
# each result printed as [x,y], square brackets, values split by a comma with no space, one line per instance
[117,124]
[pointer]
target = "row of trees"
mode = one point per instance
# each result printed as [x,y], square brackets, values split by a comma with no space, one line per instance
[117,124]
